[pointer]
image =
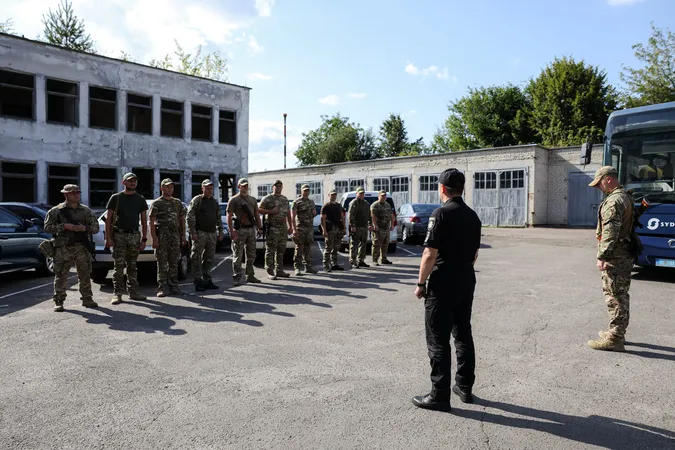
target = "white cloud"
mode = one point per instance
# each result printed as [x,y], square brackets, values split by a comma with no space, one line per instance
[331,100]
[266,151]
[357,95]
[441,74]
[623,2]
[253,46]
[264,7]
[260,76]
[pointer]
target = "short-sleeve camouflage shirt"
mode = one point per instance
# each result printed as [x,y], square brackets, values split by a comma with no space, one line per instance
[382,213]
[304,211]
[167,213]
[272,201]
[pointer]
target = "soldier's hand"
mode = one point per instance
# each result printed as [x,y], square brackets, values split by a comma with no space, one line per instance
[420,292]
[183,241]
[370,228]
[275,210]
[234,233]
[375,229]
[142,246]
[195,237]
[109,243]
[602,265]
[155,244]
[69,227]
[325,233]
[220,237]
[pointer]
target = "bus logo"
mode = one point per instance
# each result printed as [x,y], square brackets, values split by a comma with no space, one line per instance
[653,223]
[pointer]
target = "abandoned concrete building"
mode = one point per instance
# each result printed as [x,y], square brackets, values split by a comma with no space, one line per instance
[74,117]
[512,186]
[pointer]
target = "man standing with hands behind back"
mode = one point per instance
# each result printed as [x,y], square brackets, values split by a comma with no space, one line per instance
[122,235]
[243,219]
[452,243]
[205,226]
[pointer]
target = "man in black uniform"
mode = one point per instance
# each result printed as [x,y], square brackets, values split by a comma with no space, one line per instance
[452,242]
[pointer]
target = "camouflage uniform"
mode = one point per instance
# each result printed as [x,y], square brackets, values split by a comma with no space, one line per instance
[66,253]
[247,235]
[204,247]
[167,214]
[382,213]
[333,240]
[277,233]
[359,218]
[305,210]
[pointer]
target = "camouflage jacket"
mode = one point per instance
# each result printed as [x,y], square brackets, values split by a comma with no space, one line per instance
[305,210]
[382,213]
[359,213]
[167,213]
[272,201]
[615,222]
[82,215]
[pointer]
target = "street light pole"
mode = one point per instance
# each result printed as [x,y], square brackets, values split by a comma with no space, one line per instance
[284,140]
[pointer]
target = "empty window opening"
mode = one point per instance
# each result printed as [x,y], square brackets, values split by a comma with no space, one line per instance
[62,98]
[102,184]
[177,178]
[227,127]
[201,123]
[264,189]
[18,182]
[172,119]
[146,182]
[102,108]
[16,94]
[139,114]
[341,186]
[197,179]
[57,177]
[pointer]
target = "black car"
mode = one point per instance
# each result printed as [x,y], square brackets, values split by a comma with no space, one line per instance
[19,246]
[413,219]
[34,212]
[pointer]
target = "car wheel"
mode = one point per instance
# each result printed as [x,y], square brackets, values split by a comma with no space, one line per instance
[183,265]
[99,275]
[47,268]
[406,238]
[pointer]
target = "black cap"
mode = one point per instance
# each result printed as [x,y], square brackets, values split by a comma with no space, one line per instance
[452,178]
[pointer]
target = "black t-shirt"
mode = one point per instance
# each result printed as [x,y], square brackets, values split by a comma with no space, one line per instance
[129,210]
[454,230]
[333,212]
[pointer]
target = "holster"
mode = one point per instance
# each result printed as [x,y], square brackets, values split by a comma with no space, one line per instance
[47,248]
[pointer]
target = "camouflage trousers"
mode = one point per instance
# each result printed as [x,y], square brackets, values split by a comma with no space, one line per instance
[168,254]
[275,247]
[125,253]
[332,243]
[615,285]
[380,243]
[245,243]
[63,261]
[203,252]
[357,245]
[303,247]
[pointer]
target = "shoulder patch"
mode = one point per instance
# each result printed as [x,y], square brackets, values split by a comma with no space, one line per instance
[432,223]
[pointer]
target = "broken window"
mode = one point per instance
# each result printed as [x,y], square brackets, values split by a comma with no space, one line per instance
[139,114]
[172,119]
[197,179]
[57,177]
[62,98]
[201,123]
[146,182]
[102,108]
[227,129]
[177,178]
[102,184]
[16,94]
[18,182]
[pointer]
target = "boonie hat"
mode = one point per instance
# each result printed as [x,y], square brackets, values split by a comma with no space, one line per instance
[305,187]
[452,178]
[359,190]
[167,182]
[602,172]
[129,176]
[207,182]
[277,182]
[243,182]
[70,188]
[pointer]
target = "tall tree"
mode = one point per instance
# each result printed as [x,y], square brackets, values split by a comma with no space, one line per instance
[393,136]
[211,65]
[485,117]
[655,81]
[63,28]
[569,103]
[7,26]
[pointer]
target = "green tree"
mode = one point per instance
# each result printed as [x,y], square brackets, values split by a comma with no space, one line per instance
[655,81]
[569,103]
[393,136]
[212,65]
[63,28]
[485,117]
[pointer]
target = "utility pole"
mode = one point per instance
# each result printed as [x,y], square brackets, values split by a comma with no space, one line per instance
[284,140]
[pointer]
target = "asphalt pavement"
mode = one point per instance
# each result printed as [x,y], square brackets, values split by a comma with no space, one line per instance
[331,360]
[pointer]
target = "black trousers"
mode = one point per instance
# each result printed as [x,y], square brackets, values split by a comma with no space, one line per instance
[448,311]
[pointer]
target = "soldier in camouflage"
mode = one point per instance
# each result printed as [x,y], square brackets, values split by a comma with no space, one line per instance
[383,218]
[167,228]
[303,214]
[71,223]
[333,228]
[615,221]
[359,226]
[279,224]
[205,226]
[243,220]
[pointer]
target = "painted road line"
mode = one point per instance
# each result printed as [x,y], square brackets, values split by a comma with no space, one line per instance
[408,251]
[30,289]
[319,244]
[221,262]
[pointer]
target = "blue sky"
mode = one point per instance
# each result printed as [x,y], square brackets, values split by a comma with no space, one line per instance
[366,58]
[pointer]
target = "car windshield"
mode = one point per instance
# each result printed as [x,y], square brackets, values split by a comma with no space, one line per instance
[370,201]
[424,208]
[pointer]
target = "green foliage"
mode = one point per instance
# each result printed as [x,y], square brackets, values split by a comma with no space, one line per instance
[7,26]
[64,29]
[569,103]
[655,81]
[393,136]
[212,66]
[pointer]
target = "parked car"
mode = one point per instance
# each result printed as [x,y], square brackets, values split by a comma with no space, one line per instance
[318,232]
[413,219]
[146,259]
[371,197]
[30,211]
[227,239]
[19,246]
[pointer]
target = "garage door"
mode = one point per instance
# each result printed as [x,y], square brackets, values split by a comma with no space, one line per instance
[400,190]
[582,200]
[429,189]
[500,197]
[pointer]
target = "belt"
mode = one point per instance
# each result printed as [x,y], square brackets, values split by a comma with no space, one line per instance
[119,230]
[247,226]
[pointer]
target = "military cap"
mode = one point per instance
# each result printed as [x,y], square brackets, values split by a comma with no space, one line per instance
[332,191]
[382,191]
[277,182]
[305,187]
[602,172]
[207,182]
[70,188]
[243,182]
[167,182]
[452,178]
[129,176]
[359,190]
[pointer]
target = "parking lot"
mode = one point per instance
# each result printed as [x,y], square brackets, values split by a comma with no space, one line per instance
[331,360]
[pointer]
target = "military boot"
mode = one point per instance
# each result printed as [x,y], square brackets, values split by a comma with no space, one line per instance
[252,279]
[282,274]
[137,296]
[608,343]
[199,285]
[271,275]
[58,307]
[175,290]
[209,285]
[116,299]
[89,303]
[161,292]
[311,269]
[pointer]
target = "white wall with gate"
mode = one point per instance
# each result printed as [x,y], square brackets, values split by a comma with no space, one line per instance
[500,197]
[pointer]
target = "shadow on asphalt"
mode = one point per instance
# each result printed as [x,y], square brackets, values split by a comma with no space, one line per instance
[599,431]
[126,321]
[651,355]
